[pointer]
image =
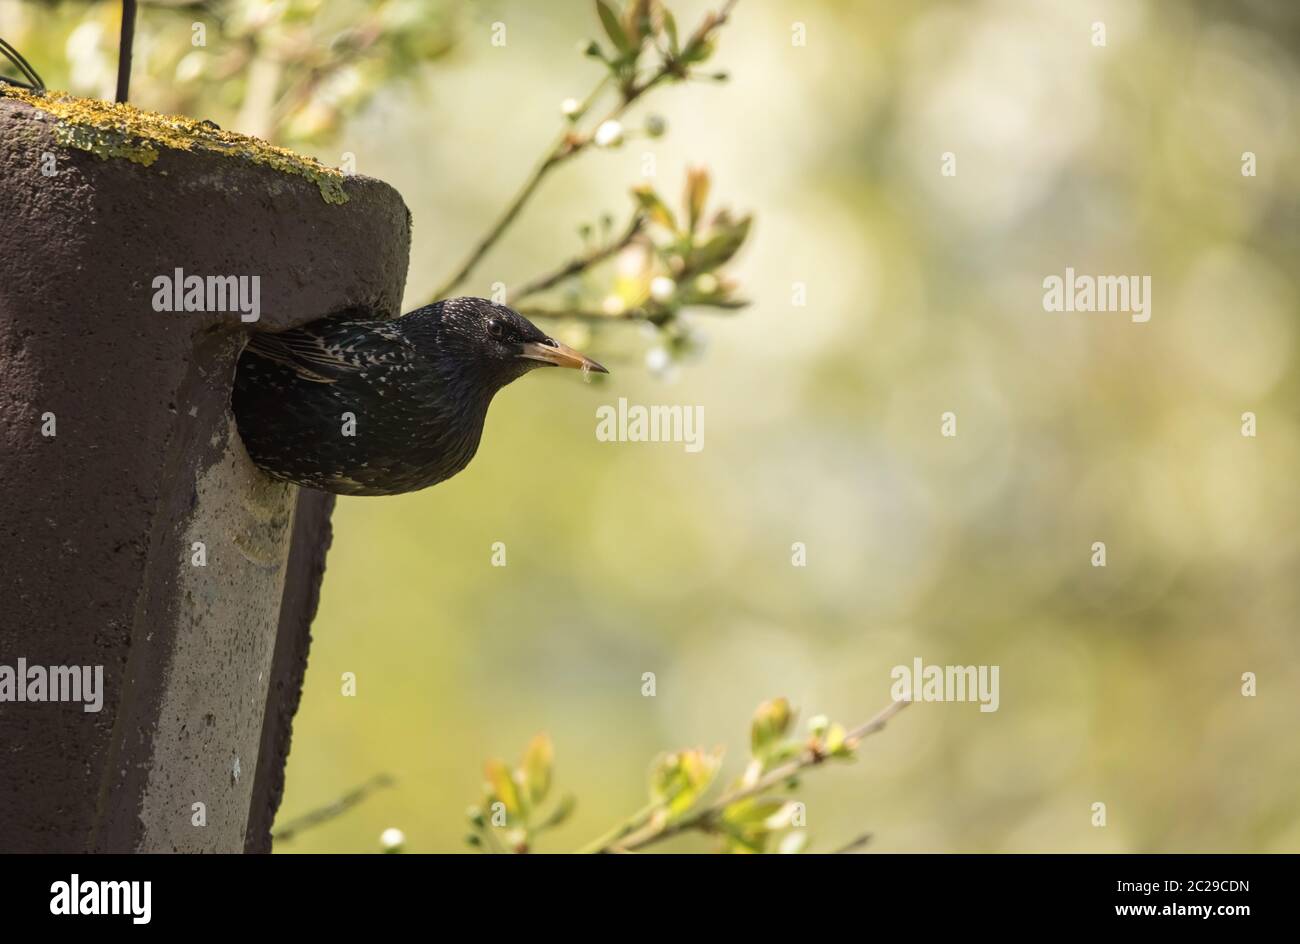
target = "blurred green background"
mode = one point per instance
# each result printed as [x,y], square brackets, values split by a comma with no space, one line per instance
[1119,685]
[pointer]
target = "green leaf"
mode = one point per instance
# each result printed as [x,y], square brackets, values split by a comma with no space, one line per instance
[636,22]
[538,761]
[753,810]
[670,26]
[771,721]
[742,840]
[698,52]
[678,781]
[721,246]
[783,816]
[562,811]
[502,786]
[836,743]
[697,194]
[723,304]
[654,206]
[793,843]
[609,20]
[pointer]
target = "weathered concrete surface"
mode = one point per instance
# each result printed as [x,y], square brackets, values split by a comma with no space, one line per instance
[311,541]
[99,522]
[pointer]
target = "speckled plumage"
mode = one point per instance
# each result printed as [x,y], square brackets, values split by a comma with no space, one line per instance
[418,386]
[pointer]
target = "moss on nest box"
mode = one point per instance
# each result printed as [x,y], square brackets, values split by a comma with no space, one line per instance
[109,129]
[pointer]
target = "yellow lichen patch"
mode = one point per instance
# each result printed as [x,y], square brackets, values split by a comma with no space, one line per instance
[109,129]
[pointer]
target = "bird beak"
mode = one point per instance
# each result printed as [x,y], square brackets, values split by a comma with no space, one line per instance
[551,351]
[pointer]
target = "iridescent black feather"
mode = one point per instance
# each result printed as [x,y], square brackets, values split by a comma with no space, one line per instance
[363,407]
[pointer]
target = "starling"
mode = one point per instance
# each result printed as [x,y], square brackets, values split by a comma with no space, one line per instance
[364,407]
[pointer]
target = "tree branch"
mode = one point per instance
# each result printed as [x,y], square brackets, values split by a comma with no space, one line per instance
[571,143]
[552,159]
[643,829]
[854,845]
[580,264]
[361,40]
[589,315]
[332,810]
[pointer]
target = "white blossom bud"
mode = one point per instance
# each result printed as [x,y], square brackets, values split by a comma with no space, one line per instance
[657,360]
[609,134]
[662,288]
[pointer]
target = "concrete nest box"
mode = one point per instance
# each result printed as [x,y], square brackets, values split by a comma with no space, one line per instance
[138,544]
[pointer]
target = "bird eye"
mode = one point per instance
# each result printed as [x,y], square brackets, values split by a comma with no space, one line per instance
[497,329]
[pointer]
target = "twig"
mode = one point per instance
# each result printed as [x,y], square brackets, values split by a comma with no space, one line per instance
[331,810]
[607,841]
[580,264]
[653,314]
[656,830]
[125,41]
[854,845]
[552,159]
[587,314]
[293,98]
[570,144]
[493,845]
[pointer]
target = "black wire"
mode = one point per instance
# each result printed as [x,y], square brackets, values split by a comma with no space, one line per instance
[125,42]
[22,65]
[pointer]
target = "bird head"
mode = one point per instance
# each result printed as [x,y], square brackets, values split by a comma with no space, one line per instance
[501,342]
